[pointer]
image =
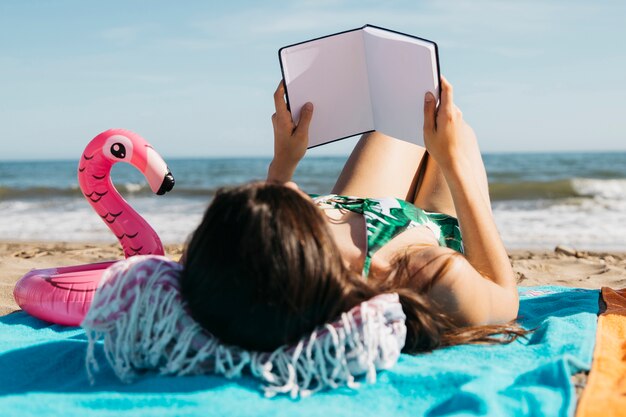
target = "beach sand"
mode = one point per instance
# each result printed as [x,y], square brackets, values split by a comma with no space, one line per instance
[562,266]
[18,258]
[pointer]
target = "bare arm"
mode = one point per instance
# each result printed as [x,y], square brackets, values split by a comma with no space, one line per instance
[445,140]
[483,290]
[290,140]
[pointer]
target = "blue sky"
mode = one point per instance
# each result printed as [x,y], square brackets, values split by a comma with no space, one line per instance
[195,78]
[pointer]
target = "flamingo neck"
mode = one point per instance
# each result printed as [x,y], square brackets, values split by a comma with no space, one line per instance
[135,235]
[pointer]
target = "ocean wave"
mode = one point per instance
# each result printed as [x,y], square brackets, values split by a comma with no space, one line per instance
[11,193]
[126,190]
[590,224]
[532,190]
[610,189]
[594,219]
[562,189]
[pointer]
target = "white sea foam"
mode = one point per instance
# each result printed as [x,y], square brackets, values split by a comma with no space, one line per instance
[595,220]
[586,224]
[134,187]
[582,223]
[74,220]
[614,189]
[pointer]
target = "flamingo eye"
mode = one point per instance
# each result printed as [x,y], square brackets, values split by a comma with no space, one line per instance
[118,150]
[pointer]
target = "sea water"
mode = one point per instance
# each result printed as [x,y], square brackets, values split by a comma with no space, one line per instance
[539,200]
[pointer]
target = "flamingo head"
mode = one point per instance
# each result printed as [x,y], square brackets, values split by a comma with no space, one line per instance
[118,145]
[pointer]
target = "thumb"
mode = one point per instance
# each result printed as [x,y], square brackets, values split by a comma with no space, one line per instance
[306,114]
[429,113]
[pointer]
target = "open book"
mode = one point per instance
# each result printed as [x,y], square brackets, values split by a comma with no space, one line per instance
[361,80]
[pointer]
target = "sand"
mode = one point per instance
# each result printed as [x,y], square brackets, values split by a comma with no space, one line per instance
[18,258]
[563,266]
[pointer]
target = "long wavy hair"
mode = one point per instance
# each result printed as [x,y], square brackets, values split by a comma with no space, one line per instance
[262,270]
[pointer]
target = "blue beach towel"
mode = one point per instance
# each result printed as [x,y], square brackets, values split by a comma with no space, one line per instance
[42,372]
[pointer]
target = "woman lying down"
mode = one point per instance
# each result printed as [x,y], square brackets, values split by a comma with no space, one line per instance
[308,291]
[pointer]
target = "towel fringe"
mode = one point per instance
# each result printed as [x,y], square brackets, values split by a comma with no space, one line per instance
[144,324]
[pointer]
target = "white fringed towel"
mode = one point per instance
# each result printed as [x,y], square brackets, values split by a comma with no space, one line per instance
[144,323]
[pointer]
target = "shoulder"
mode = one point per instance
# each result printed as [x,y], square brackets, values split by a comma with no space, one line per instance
[460,290]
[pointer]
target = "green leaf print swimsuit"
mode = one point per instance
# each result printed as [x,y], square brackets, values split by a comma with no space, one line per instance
[385,218]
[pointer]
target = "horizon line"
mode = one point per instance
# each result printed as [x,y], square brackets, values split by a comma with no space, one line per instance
[268,156]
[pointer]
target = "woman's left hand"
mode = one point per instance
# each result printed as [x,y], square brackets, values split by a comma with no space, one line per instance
[290,140]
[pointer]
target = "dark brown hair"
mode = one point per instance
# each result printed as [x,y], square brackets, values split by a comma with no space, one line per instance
[262,270]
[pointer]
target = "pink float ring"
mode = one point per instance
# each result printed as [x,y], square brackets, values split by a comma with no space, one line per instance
[63,295]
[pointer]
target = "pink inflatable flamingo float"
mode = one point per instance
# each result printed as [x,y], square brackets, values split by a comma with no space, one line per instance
[63,295]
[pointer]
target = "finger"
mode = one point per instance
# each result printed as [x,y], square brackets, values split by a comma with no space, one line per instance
[429,112]
[279,100]
[447,100]
[306,114]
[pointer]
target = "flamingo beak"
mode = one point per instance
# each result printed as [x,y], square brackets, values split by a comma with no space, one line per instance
[158,174]
[167,184]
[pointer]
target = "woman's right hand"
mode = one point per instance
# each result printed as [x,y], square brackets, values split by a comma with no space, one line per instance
[290,140]
[446,135]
